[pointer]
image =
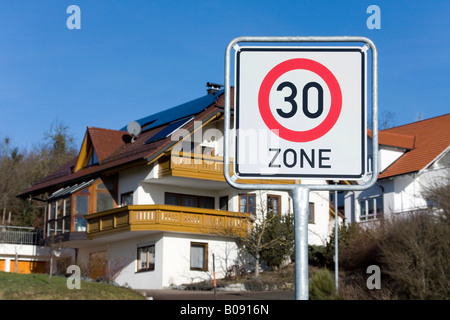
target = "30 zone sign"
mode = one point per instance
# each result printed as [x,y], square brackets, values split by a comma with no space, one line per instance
[300,112]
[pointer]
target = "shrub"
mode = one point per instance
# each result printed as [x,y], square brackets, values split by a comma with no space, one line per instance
[415,255]
[318,256]
[321,286]
[412,252]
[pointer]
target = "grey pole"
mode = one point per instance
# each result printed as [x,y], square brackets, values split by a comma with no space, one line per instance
[336,242]
[300,199]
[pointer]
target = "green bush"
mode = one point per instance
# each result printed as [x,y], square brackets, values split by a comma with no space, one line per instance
[321,286]
[318,256]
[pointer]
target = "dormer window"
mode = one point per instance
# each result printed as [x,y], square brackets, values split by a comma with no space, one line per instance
[93,160]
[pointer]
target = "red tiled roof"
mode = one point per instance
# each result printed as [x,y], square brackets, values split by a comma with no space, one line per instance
[405,141]
[115,150]
[106,141]
[432,137]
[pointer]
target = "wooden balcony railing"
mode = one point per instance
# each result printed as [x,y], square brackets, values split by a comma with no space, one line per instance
[166,218]
[192,165]
[199,166]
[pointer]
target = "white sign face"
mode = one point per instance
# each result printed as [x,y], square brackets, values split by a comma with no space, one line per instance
[300,113]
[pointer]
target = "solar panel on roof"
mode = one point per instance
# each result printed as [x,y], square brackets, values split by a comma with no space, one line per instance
[179,112]
[69,190]
[167,131]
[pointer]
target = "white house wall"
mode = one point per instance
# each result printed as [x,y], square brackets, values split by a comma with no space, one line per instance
[176,257]
[388,155]
[172,260]
[401,194]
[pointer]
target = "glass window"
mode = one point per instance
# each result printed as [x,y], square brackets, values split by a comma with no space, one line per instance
[247,203]
[66,224]
[80,224]
[146,258]
[363,210]
[59,208]
[370,209]
[224,203]
[51,228]
[311,214]
[105,201]
[104,195]
[199,254]
[371,206]
[51,210]
[59,212]
[126,199]
[93,159]
[379,206]
[172,199]
[273,204]
[207,202]
[67,204]
[189,201]
[81,204]
[59,226]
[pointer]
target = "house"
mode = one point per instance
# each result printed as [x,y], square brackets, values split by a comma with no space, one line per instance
[412,157]
[22,250]
[148,205]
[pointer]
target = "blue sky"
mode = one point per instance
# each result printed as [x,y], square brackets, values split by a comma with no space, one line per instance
[131,59]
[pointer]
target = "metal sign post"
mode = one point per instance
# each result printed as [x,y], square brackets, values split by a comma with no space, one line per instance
[300,192]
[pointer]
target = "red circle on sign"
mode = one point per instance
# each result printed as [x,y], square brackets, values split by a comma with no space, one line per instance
[325,125]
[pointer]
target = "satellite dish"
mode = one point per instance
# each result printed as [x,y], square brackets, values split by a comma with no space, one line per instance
[134,129]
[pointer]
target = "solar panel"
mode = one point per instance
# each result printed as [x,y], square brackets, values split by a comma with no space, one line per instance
[171,128]
[69,190]
[179,112]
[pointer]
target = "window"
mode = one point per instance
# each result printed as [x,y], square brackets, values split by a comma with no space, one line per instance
[311,213]
[104,195]
[223,203]
[370,209]
[81,209]
[93,160]
[189,200]
[58,216]
[199,256]
[126,199]
[274,204]
[67,209]
[146,258]
[247,203]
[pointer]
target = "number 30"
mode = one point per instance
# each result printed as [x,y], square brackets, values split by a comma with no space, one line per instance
[290,99]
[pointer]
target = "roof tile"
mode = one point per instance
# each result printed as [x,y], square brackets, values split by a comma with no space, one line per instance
[432,137]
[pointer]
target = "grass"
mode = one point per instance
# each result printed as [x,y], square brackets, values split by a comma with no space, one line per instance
[38,287]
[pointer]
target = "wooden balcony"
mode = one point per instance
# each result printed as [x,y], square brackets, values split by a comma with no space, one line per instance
[166,218]
[199,166]
[191,165]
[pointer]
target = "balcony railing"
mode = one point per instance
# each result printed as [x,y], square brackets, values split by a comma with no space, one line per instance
[199,166]
[21,235]
[192,165]
[166,218]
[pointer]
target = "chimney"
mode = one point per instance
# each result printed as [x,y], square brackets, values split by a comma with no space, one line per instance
[212,88]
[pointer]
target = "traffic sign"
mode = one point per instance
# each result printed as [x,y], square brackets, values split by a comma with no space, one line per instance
[300,112]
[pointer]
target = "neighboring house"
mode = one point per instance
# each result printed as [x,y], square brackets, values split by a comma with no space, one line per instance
[22,250]
[412,157]
[149,210]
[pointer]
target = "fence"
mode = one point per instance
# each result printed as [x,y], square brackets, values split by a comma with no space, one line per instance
[21,235]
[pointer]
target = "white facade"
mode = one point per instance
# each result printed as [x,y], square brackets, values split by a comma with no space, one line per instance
[398,194]
[172,250]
